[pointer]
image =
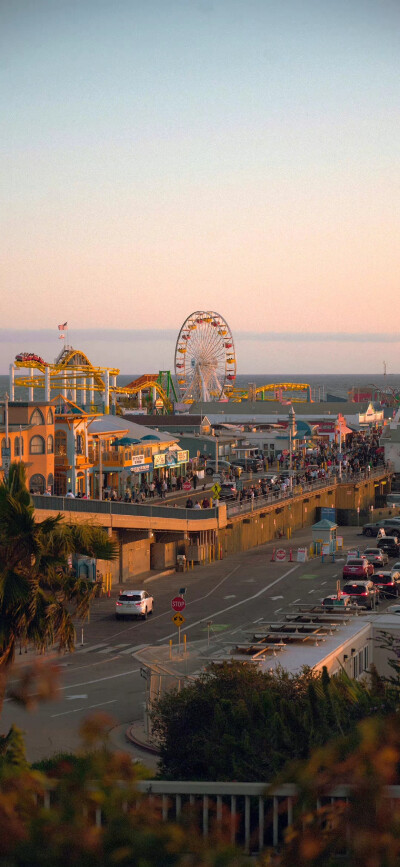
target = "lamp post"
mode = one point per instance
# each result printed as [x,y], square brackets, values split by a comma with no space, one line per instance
[292,433]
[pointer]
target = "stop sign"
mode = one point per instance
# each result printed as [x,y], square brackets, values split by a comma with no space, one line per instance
[178,603]
[186,486]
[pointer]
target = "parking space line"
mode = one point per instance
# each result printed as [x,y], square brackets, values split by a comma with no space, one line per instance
[77,709]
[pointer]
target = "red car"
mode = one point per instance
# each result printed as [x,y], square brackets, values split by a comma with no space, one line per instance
[357,568]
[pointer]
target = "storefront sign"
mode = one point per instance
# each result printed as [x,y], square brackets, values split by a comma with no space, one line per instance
[326,427]
[142,468]
[159,460]
[137,459]
[182,457]
[170,459]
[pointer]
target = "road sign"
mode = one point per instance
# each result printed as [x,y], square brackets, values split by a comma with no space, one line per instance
[178,619]
[216,490]
[186,486]
[178,603]
[280,554]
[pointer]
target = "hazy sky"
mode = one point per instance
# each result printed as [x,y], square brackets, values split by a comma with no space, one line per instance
[165,156]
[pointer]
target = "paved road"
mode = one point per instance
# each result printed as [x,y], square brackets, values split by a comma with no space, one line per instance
[103,673]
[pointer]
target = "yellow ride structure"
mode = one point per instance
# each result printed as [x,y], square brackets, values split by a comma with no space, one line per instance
[73,373]
[300,392]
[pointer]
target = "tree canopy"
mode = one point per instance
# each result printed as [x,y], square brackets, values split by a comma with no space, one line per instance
[39,593]
[237,723]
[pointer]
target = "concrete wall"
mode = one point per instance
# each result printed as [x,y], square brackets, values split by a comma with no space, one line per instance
[163,555]
[134,559]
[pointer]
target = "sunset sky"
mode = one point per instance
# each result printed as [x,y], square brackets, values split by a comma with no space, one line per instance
[165,156]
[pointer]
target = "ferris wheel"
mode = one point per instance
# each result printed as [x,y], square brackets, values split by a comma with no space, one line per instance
[205,361]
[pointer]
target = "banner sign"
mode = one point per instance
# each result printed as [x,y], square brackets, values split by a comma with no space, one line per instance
[182,457]
[137,459]
[159,460]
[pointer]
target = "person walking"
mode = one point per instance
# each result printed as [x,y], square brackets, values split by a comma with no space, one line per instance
[152,488]
[194,481]
[164,488]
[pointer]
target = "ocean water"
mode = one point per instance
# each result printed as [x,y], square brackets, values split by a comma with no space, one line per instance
[321,384]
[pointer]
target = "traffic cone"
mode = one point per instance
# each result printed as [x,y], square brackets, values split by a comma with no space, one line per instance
[273,556]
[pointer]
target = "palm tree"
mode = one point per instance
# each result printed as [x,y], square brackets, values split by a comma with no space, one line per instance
[39,593]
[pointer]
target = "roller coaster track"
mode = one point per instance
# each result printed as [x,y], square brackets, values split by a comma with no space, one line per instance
[72,370]
[274,391]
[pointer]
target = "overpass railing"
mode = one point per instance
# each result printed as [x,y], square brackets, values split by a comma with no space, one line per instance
[115,507]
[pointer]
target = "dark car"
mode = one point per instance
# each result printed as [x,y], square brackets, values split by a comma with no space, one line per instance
[387,583]
[362,593]
[386,524]
[254,464]
[228,491]
[376,556]
[389,544]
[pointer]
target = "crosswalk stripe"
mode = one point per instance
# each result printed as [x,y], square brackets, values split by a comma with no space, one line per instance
[92,647]
[133,649]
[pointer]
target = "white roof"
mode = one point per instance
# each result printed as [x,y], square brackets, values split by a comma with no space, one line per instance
[117,426]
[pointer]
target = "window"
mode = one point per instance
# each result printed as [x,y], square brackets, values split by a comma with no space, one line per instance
[50,445]
[360,662]
[61,442]
[50,483]
[366,661]
[18,447]
[50,417]
[355,663]
[37,484]
[37,446]
[37,417]
[79,444]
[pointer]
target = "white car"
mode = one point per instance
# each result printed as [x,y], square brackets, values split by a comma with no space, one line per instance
[396,566]
[134,603]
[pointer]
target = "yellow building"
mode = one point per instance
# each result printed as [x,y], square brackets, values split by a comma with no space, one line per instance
[30,440]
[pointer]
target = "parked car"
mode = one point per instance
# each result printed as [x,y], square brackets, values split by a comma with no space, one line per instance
[228,491]
[270,478]
[334,601]
[256,465]
[386,524]
[357,567]
[387,583]
[211,466]
[134,603]
[362,593]
[390,544]
[376,556]
[396,566]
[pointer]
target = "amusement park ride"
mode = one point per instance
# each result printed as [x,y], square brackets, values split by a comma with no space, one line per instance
[73,375]
[205,370]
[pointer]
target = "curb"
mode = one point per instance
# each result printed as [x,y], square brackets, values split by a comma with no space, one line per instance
[159,575]
[142,745]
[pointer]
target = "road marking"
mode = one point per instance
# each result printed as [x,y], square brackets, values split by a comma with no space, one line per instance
[277,610]
[312,591]
[257,621]
[73,697]
[233,596]
[274,598]
[92,647]
[100,679]
[322,583]
[294,603]
[78,709]
[109,649]
[134,648]
[235,604]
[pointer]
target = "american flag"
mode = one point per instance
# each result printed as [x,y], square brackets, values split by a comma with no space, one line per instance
[61,327]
